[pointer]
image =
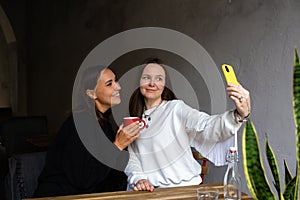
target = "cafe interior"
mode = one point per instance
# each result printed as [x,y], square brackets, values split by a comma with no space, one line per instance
[44,43]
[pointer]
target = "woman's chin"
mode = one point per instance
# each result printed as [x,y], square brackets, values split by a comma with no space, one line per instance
[115,101]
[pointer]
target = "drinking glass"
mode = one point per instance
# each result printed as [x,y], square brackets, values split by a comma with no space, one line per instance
[207,193]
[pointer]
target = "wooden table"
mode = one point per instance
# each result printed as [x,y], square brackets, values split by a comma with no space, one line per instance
[185,193]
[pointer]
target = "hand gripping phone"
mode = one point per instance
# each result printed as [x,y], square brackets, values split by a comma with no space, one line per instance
[229,74]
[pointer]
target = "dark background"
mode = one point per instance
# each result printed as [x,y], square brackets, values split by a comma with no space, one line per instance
[257,37]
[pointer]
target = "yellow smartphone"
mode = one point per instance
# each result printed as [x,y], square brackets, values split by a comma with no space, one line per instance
[229,74]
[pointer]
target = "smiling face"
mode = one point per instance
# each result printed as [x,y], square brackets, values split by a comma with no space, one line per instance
[152,82]
[107,91]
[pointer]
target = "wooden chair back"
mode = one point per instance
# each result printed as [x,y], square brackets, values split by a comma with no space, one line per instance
[203,161]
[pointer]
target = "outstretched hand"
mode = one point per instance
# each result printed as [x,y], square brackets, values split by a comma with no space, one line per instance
[126,135]
[241,99]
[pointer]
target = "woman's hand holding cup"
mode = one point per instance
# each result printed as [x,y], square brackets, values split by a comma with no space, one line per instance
[130,120]
[127,134]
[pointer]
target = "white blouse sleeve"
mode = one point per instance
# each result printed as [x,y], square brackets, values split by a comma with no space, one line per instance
[210,135]
[133,169]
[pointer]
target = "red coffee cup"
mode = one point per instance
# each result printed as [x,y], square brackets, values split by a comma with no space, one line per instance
[130,120]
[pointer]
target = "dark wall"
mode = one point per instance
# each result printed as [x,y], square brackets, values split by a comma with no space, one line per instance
[258,37]
[61,34]
[53,39]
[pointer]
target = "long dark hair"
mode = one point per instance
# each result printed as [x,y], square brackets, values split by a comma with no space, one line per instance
[87,80]
[137,102]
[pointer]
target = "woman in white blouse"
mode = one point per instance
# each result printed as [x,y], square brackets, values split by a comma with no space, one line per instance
[161,156]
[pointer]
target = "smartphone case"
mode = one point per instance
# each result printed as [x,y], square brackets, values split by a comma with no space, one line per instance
[229,74]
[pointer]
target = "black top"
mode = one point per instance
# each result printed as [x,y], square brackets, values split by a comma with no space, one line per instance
[71,169]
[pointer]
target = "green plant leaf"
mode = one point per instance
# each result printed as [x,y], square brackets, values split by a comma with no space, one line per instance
[254,170]
[287,174]
[296,189]
[296,94]
[296,109]
[273,166]
[290,189]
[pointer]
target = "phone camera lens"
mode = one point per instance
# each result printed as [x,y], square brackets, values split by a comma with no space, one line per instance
[226,67]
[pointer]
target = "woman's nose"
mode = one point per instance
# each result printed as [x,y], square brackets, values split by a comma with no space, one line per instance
[151,82]
[117,86]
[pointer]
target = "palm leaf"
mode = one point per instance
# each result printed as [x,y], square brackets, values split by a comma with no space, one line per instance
[254,171]
[273,166]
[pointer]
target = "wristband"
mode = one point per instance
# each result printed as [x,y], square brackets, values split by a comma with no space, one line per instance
[238,117]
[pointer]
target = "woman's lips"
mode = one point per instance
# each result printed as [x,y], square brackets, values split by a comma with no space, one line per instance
[116,94]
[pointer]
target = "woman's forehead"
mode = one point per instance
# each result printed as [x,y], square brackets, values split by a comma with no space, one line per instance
[106,74]
[154,69]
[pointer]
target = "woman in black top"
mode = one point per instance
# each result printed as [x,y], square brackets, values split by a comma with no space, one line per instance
[74,163]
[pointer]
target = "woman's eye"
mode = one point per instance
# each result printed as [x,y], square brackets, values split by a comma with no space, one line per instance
[159,79]
[145,77]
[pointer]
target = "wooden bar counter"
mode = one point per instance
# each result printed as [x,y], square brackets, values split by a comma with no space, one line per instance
[185,193]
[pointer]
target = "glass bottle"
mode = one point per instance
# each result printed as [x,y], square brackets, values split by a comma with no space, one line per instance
[232,179]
